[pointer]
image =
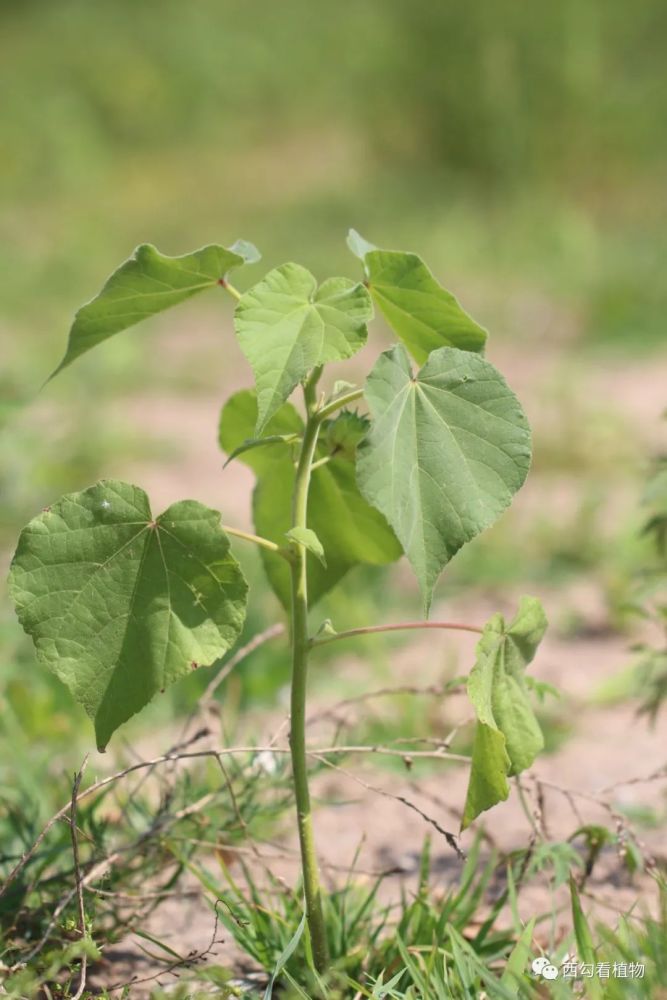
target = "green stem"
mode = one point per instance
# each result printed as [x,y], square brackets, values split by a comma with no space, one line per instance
[338,403]
[234,292]
[398,627]
[256,539]
[320,462]
[300,647]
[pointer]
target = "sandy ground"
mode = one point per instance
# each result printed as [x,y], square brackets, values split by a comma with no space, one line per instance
[378,832]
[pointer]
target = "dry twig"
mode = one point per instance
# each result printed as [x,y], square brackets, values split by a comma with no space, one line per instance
[449,837]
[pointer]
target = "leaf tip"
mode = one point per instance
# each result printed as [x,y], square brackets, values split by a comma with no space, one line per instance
[50,377]
[248,251]
[358,245]
[65,362]
[427,599]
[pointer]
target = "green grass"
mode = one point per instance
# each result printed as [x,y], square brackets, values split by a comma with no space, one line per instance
[455,935]
[429,945]
[532,161]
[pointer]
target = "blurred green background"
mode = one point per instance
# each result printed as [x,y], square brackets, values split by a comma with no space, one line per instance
[513,143]
[517,146]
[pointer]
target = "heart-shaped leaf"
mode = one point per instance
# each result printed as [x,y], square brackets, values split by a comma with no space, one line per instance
[420,311]
[447,450]
[348,528]
[507,736]
[146,284]
[120,604]
[286,326]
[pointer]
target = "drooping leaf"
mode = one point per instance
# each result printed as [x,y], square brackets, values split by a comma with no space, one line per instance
[120,604]
[420,311]
[447,450]
[310,542]
[488,773]
[146,284]
[349,530]
[507,734]
[261,442]
[286,326]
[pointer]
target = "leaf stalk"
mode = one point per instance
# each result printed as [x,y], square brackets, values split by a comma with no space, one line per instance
[339,403]
[247,536]
[395,627]
[234,292]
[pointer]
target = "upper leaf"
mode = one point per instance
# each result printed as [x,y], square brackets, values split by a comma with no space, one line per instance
[350,531]
[446,452]
[507,735]
[120,604]
[146,284]
[420,311]
[286,326]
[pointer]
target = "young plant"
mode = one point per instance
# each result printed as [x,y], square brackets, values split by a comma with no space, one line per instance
[121,602]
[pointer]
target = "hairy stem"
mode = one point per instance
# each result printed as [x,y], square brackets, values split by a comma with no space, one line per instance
[397,627]
[300,648]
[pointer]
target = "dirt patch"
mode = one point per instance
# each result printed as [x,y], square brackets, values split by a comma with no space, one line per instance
[363,819]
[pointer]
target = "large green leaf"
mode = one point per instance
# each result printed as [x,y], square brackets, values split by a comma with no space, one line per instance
[421,312]
[286,326]
[447,450]
[146,284]
[349,530]
[119,603]
[507,734]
